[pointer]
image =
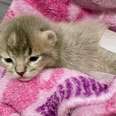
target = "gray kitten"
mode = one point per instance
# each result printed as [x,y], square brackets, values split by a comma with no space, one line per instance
[29,44]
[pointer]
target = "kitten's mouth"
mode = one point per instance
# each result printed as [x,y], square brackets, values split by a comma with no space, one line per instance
[26,78]
[23,78]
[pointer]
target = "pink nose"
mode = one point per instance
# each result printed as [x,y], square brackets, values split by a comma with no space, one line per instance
[21,73]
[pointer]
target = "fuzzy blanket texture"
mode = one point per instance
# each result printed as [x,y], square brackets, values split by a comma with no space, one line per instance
[60,91]
[67,10]
[57,92]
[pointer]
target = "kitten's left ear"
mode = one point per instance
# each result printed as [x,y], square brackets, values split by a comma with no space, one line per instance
[12,39]
[50,36]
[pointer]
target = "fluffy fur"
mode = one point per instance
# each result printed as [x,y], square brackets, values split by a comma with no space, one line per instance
[33,44]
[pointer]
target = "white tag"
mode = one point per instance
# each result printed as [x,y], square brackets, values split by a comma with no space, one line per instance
[108,41]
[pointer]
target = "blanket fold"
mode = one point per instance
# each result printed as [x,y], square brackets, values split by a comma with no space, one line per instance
[58,92]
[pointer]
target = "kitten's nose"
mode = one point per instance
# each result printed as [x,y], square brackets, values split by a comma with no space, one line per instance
[21,73]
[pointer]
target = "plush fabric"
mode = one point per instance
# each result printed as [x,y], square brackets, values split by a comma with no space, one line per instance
[66,10]
[57,92]
[97,5]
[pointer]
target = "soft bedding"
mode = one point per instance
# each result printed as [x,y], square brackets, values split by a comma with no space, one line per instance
[67,10]
[57,92]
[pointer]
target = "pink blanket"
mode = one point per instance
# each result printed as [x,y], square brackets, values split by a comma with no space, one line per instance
[67,10]
[57,92]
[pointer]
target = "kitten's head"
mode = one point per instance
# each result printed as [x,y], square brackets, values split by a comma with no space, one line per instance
[27,46]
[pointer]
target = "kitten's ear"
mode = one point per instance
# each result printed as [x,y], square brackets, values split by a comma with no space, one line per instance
[12,39]
[51,37]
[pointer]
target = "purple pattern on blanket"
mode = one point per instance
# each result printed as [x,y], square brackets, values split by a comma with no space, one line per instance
[69,89]
[78,86]
[73,87]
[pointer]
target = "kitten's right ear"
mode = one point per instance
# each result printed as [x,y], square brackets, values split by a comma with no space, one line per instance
[50,37]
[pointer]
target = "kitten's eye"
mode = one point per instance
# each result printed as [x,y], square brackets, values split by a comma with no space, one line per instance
[42,29]
[8,60]
[34,58]
[44,55]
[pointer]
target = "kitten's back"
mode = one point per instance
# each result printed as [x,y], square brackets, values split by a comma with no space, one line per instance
[80,46]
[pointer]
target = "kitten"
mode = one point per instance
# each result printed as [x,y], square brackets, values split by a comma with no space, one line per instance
[29,44]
